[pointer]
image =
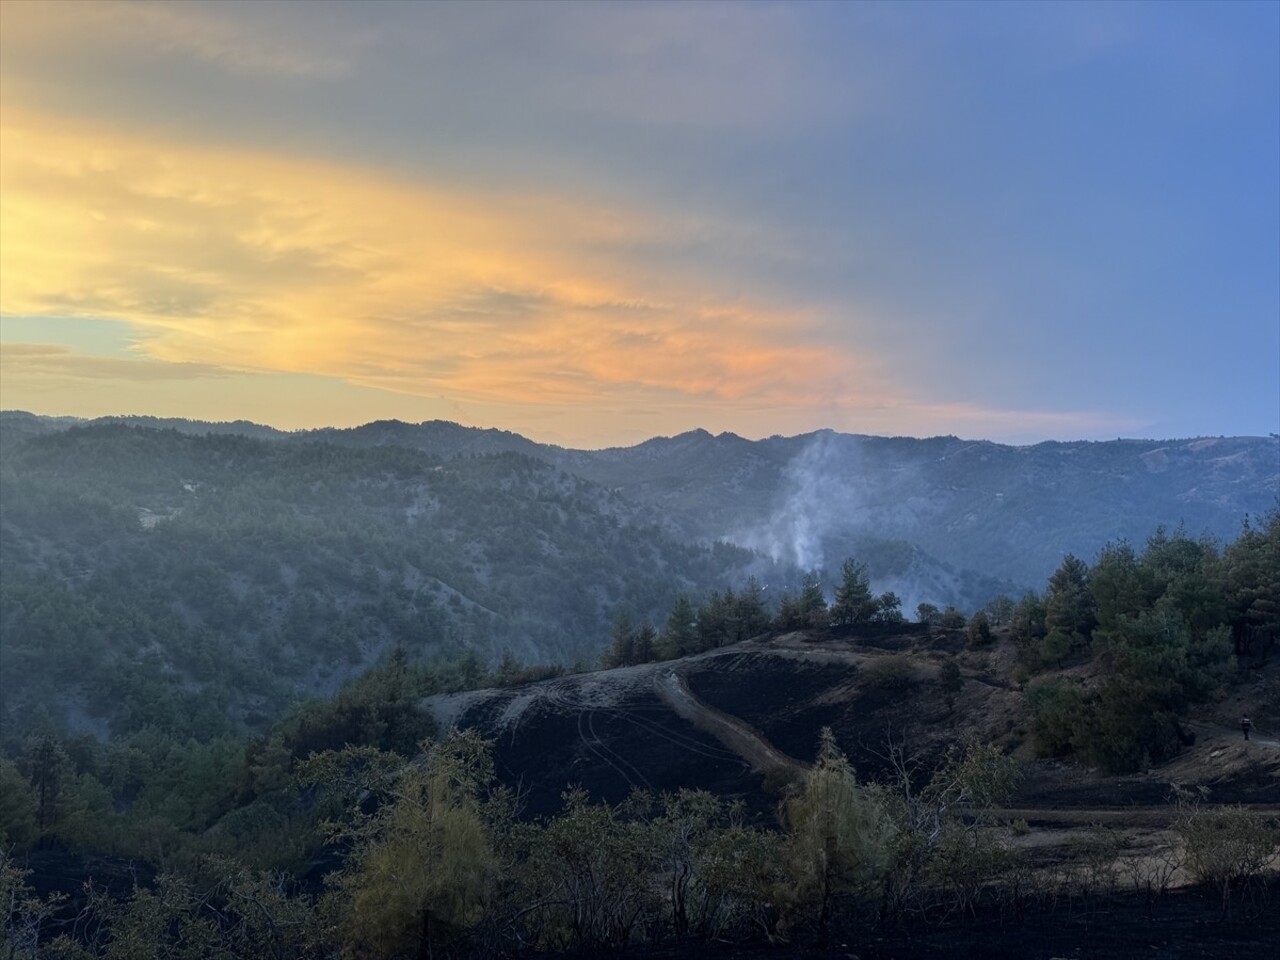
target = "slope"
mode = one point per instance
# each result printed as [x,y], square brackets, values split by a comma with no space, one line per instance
[743,720]
[175,579]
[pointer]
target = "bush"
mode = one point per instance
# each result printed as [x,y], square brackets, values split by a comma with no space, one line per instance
[892,672]
[1056,707]
[1227,846]
[1056,647]
[979,631]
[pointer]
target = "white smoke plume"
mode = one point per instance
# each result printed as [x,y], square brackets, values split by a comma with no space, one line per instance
[820,495]
[833,503]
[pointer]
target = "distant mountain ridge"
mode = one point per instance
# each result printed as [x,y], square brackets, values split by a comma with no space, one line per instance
[1004,512]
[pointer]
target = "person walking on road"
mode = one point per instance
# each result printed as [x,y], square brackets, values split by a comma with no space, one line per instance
[1246,725]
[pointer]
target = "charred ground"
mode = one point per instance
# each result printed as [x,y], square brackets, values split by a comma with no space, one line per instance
[614,730]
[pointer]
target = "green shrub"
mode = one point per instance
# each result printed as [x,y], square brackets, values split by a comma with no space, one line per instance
[979,631]
[892,672]
[1056,708]
[1226,845]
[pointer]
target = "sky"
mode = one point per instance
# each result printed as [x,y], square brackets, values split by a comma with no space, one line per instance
[596,223]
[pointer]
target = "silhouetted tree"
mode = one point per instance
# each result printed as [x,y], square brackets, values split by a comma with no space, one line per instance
[680,635]
[854,602]
[950,681]
[999,611]
[888,608]
[812,602]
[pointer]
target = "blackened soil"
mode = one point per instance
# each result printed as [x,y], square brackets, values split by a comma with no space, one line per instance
[636,743]
[1185,925]
[775,696]
[1053,785]
[790,702]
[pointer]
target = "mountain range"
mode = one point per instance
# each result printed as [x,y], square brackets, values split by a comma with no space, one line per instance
[172,555]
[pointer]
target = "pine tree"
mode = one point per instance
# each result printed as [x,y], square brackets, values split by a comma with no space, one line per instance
[680,635]
[753,618]
[839,833]
[422,865]
[1069,605]
[951,681]
[644,646]
[854,602]
[621,651]
[812,602]
[1070,613]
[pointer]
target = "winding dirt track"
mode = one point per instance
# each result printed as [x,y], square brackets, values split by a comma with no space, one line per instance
[742,739]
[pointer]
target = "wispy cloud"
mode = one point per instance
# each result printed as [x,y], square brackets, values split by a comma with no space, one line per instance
[236,260]
[55,360]
[204,33]
[752,216]
[275,263]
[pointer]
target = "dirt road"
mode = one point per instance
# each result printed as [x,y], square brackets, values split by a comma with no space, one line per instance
[763,756]
[1208,731]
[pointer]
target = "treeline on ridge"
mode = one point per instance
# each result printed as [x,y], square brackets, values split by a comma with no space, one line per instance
[1154,632]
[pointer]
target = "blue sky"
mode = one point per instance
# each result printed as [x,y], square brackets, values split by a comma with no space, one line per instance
[596,223]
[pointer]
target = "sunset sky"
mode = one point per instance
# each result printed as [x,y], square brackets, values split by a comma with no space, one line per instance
[594,223]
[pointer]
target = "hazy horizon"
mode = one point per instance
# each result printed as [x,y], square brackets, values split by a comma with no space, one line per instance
[534,437]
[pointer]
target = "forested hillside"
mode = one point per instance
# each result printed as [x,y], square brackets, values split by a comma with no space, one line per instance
[1000,511]
[207,575]
[942,520]
[200,582]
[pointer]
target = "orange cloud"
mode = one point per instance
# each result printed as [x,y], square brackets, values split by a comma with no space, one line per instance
[276,264]
[56,360]
[521,307]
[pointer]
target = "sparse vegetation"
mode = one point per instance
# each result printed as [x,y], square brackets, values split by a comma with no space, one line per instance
[894,671]
[1226,846]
